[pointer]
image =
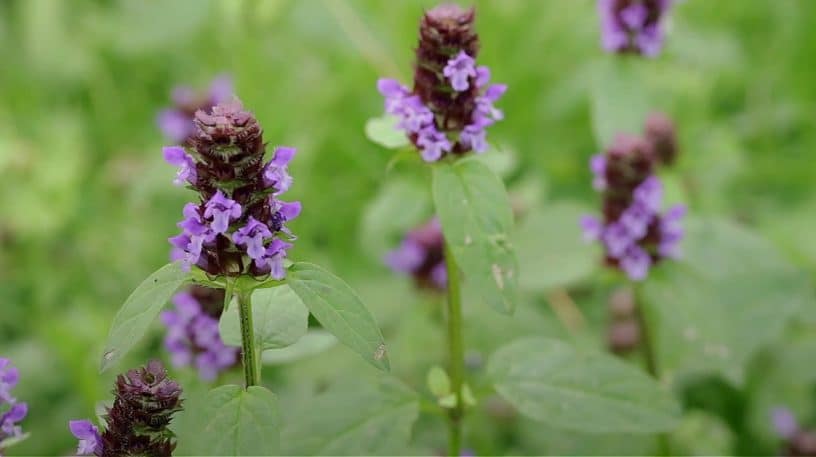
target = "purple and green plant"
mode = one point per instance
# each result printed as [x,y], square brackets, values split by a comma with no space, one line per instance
[233,248]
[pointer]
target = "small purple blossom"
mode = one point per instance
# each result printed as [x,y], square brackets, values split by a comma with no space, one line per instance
[617,239]
[9,376]
[636,220]
[407,257]
[592,228]
[433,143]
[474,137]
[90,441]
[175,155]
[193,337]
[784,422]
[253,235]
[274,258]
[276,172]
[671,232]
[635,261]
[649,194]
[176,123]
[421,255]
[459,70]
[597,164]
[221,210]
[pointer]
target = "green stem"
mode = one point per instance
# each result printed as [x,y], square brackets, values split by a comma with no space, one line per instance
[249,359]
[456,354]
[647,343]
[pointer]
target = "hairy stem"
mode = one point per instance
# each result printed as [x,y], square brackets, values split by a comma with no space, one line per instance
[647,344]
[249,358]
[456,353]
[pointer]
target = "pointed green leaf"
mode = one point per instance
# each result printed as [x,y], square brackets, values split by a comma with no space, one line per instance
[239,422]
[140,309]
[278,316]
[552,382]
[339,310]
[353,418]
[476,218]
[382,130]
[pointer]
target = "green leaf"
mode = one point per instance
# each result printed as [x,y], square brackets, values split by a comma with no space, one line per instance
[619,100]
[438,381]
[383,131]
[551,250]
[552,382]
[731,294]
[141,307]
[476,219]
[353,419]
[339,310]
[239,422]
[313,342]
[278,316]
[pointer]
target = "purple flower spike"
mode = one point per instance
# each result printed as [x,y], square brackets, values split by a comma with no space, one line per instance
[175,155]
[784,422]
[90,442]
[222,210]
[459,70]
[252,235]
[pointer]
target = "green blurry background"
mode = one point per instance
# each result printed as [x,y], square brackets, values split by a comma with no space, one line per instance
[87,201]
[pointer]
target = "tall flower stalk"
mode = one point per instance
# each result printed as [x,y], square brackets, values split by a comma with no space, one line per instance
[237,226]
[445,115]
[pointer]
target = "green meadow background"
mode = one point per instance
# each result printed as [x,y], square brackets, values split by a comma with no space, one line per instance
[86,201]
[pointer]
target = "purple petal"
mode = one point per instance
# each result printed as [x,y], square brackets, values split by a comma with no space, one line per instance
[290,210]
[407,258]
[592,228]
[390,87]
[636,262]
[482,76]
[283,154]
[221,89]
[784,422]
[175,125]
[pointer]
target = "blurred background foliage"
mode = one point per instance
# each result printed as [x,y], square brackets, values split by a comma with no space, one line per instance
[87,201]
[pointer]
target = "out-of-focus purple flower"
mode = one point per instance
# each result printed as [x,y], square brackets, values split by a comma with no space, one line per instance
[90,441]
[192,332]
[633,26]
[459,70]
[451,104]
[421,255]
[13,411]
[592,228]
[659,130]
[633,232]
[176,123]
[784,422]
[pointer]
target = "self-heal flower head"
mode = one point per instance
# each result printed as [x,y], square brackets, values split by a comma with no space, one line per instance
[176,123]
[193,337]
[634,233]
[90,441]
[450,104]
[459,70]
[421,255]
[238,193]
[633,26]
[137,423]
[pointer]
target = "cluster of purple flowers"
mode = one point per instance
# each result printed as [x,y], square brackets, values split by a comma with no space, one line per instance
[634,233]
[11,410]
[177,122]
[137,423]
[452,103]
[633,26]
[192,335]
[421,255]
[797,440]
[236,225]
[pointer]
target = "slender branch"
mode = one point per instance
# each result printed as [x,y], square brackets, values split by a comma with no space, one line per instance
[456,353]
[647,343]
[249,358]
